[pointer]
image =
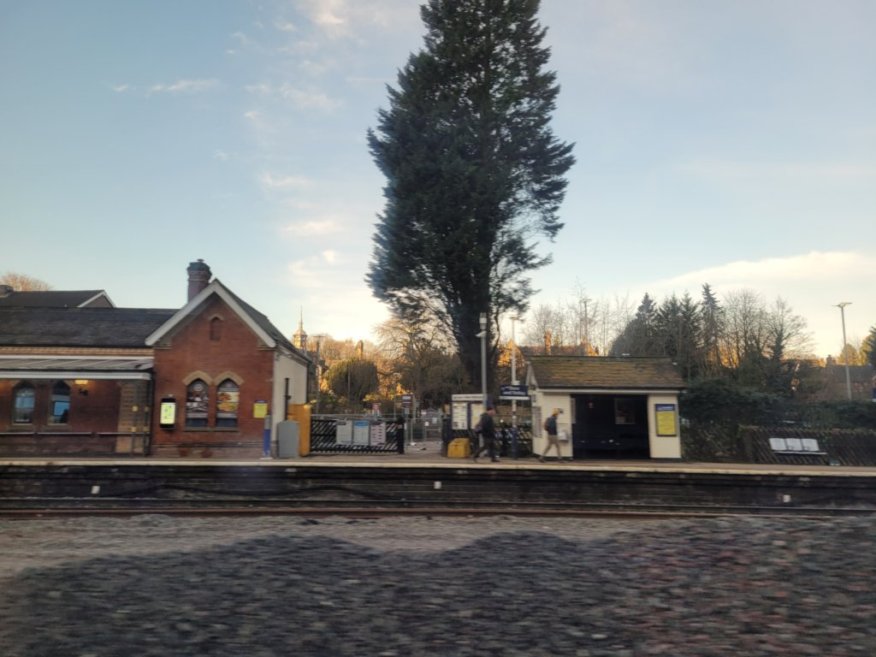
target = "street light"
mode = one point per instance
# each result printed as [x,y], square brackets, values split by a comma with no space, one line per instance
[483,336]
[842,306]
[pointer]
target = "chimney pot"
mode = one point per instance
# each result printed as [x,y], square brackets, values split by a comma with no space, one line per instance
[199,277]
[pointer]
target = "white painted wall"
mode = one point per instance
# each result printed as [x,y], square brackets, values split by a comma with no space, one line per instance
[286,367]
[547,403]
[663,447]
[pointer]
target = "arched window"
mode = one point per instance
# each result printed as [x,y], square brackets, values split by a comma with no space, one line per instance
[59,408]
[197,402]
[216,329]
[227,402]
[23,402]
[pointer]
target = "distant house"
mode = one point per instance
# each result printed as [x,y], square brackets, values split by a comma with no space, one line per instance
[92,380]
[611,407]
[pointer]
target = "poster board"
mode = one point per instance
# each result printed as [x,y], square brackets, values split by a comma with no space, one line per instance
[666,419]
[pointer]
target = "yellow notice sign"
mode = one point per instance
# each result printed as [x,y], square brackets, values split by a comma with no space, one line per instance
[260,410]
[667,419]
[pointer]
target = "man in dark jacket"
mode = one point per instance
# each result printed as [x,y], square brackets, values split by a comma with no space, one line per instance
[488,436]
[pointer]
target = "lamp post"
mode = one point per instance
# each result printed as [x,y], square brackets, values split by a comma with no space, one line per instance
[483,336]
[842,306]
[514,319]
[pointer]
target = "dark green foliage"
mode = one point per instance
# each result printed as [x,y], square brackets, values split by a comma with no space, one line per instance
[869,347]
[717,407]
[678,324]
[353,379]
[719,401]
[839,415]
[640,337]
[712,326]
[474,174]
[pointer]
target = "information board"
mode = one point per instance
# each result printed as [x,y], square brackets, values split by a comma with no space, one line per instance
[667,419]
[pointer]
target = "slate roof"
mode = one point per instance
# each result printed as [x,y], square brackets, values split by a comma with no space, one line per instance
[50,298]
[596,372]
[79,327]
[266,325]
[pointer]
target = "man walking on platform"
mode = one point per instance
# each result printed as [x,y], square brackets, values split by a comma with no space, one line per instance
[553,438]
[488,436]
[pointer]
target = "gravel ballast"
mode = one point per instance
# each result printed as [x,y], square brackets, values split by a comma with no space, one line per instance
[168,586]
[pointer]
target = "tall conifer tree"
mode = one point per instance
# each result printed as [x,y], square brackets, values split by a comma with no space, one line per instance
[474,173]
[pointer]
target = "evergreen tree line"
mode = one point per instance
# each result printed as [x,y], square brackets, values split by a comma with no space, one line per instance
[740,338]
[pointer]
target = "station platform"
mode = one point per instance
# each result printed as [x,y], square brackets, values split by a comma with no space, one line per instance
[428,455]
[422,480]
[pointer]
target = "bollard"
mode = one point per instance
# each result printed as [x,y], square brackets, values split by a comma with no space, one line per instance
[266,438]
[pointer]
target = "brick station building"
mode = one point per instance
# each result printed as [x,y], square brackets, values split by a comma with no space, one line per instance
[79,376]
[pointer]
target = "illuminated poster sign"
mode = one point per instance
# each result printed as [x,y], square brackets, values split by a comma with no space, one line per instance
[667,419]
[167,413]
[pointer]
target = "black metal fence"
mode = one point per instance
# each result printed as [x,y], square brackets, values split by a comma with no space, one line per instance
[797,445]
[510,442]
[345,434]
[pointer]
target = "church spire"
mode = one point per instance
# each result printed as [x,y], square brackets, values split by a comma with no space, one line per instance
[299,339]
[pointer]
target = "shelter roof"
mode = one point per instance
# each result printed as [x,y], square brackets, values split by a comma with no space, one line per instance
[597,372]
[80,367]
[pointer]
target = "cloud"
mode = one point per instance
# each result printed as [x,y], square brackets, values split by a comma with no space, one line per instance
[313,227]
[220,155]
[121,88]
[816,266]
[341,19]
[285,26]
[299,98]
[184,86]
[317,272]
[802,171]
[270,181]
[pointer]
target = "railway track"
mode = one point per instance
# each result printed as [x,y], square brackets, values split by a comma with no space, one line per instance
[35,508]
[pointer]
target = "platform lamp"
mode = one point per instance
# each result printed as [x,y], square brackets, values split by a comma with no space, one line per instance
[483,336]
[842,306]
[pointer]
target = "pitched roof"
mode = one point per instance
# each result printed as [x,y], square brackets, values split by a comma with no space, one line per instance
[55,299]
[79,327]
[259,323]
[597,372]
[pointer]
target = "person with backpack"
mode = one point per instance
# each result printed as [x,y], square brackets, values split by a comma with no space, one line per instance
[553,438]
[487,430]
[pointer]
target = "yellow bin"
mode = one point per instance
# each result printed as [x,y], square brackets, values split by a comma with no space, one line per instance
[300,413]
[459,448]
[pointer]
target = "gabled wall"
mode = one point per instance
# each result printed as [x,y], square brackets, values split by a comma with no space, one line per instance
[190,352]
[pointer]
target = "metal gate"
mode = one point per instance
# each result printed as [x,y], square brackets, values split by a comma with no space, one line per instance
[346,434]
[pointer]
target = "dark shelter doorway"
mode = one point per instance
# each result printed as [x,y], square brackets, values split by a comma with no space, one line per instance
[611,426]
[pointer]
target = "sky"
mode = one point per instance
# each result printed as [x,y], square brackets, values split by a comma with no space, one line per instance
[730,142]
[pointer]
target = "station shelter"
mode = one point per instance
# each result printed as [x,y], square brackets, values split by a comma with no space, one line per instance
[611,408]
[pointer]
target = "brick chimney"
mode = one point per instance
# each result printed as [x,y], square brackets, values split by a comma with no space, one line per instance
[199,277]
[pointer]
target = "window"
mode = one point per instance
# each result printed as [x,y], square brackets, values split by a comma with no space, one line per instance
[197,401]
[23,402]
[59,408]
[215,329]
[624,411]
[227,402]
